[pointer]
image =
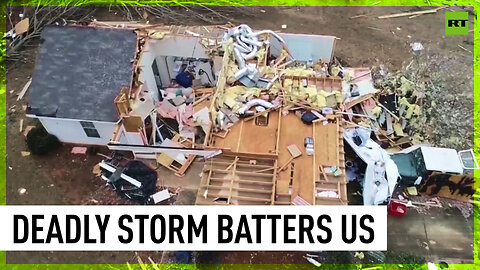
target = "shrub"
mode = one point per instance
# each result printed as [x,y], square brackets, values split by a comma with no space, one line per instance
[40,142]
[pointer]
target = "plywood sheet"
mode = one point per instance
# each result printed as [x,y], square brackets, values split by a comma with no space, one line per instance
[246,137]
[293,131]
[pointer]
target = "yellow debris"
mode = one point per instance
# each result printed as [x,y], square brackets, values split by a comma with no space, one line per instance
[157,35]
[377,111]
[397,127]
[303,72]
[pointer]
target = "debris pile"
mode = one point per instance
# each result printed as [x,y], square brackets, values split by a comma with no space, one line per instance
[257,81]
[429,93]
[134,180]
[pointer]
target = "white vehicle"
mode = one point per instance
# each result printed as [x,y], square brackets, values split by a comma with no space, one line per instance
[421,160]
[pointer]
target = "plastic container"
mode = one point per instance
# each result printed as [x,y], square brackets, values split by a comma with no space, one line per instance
[397,209]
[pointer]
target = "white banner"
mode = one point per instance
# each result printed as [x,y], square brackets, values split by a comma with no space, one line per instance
[202,228]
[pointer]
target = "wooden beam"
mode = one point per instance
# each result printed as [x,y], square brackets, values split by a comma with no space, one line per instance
[322,170]
[255,174]
[239,164]
[241,181]
[274,181]
[204,97]
[252,199]
[229,199]
[24,90]
[428,11]
[277,143]
[240,135]
[258,114]
[232,164]
[264,170]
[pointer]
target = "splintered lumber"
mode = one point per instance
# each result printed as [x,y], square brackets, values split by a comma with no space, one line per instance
[264,170]
[322,170]
[294,153]
[204,97]
[185,166]
[222,135]
[280,60]
[410,13]
[357,100]
[233,163]
[358,16]
[24,90]
[388,111]
[259,113]
[356,114]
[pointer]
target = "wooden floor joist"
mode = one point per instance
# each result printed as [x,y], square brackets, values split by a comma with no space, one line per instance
[237,184]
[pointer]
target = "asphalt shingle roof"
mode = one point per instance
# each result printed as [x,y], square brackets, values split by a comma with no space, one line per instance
[80,70]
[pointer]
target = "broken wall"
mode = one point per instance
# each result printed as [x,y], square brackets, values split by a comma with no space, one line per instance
[146,75]
[305,47]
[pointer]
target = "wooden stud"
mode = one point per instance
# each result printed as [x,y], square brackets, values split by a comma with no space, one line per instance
[274,181]
[229,199]
[232,164]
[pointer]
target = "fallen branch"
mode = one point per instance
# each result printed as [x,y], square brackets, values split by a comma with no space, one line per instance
[411,13]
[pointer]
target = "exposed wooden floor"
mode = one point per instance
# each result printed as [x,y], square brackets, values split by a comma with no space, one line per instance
[293,131]
[302,177]
[247,137]
[329,152]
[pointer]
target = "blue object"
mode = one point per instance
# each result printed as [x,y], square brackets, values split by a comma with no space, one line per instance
[184,79]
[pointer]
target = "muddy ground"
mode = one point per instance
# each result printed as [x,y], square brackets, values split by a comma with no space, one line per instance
[64,178]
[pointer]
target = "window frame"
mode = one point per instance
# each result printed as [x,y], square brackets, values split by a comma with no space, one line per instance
[90,129]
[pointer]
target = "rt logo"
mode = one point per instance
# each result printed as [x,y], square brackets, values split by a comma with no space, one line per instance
[456,23]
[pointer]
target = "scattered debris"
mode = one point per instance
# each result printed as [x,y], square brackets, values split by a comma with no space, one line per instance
[22,26]
[463,48]
[411,13]
[381,172]
[358,16]
[24,90]
[79,150]
[359,255]
[313,261]
[160,196]
[134,180]
[416,46]
[96,170]
[25,153]
[22,191]
[412,191]
[27,130]
[294,152]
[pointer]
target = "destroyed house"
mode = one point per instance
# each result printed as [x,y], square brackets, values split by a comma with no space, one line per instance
[261,115]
